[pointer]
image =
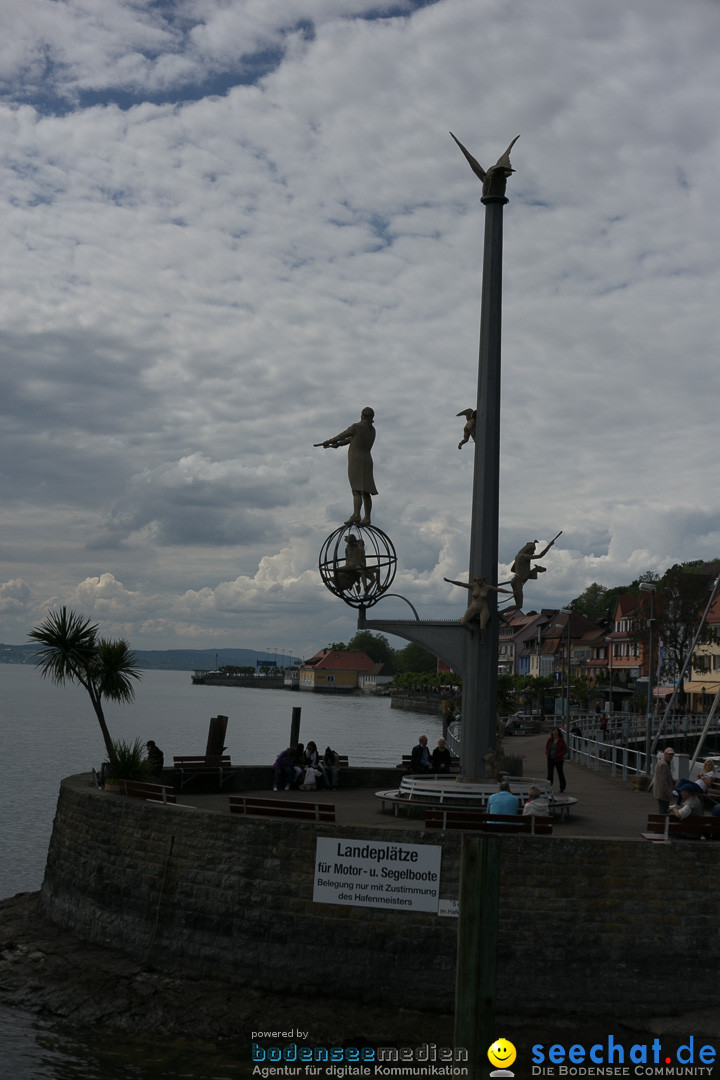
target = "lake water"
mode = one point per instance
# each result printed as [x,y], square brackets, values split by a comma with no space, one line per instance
[49,732]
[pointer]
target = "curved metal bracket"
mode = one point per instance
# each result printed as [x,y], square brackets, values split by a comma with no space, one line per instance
[400,597]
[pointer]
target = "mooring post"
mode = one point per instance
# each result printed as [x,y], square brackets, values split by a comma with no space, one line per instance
[477,950]
[295,726]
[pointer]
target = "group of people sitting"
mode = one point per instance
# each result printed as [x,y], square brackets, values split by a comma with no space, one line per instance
[686,793]
[504,802]
[301,767]
[423,761]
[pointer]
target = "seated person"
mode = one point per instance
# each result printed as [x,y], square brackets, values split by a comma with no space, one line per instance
[312,757]
[310,779]
[299,764]
[537,804]
[503,801]
[284,769]
[420,760]
[330,765]
[155,756]
[691,806]
[441,758]
[698,786]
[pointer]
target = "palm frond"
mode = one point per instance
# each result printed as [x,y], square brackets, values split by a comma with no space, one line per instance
[69,646]
[114,669]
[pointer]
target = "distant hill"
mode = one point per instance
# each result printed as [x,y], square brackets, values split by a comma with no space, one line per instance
[162,659]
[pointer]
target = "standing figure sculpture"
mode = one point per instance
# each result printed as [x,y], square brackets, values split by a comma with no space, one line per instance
[359,439]
[479,609]
[523,570]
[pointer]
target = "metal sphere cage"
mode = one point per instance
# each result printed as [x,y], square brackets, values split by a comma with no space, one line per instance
[357,563]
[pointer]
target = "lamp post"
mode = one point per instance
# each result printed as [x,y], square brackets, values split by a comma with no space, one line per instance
[647,587]
[566,688]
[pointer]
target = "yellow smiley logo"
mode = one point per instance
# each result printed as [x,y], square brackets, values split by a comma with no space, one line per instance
[502,1053]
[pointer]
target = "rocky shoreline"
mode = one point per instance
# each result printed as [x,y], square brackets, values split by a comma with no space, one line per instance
[58,977]
[49,972]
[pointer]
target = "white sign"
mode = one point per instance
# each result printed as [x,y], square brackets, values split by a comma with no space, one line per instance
[449,909]
[372,874]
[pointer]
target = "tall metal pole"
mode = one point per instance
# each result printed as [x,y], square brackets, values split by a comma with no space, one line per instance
[479,708]
[647,587]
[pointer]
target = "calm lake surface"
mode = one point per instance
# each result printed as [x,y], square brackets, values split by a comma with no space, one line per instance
[49,732]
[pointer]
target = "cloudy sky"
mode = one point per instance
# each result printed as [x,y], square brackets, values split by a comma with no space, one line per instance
[228,225]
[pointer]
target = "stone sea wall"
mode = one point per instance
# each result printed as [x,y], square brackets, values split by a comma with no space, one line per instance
[585,925]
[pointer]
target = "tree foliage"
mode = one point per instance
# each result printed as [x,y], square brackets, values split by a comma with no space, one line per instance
[72,652]
[377,647]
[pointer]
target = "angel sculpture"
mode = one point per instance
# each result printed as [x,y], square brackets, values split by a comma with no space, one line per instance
[479,609]
[469,429]
[496,177]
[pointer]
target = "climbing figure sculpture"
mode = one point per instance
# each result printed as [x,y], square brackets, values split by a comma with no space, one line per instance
[469,429]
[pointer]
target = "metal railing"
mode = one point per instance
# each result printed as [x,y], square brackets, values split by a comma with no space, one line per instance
[612,749]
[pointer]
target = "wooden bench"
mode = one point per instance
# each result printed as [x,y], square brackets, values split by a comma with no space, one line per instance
[291,808]
[190,766]
[479,821]
[139,789]
[665,827]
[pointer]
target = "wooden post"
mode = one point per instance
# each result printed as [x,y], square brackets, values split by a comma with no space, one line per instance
[216,736]
[477,950]
[295,726]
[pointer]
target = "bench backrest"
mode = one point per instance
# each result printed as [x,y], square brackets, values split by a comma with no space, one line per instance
[208,761]
[698,825]
[291,808]
[534,824]
[139,789]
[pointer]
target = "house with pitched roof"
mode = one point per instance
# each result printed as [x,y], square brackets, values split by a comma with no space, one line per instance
[334,671]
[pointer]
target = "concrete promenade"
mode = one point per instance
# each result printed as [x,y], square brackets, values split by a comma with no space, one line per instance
[606,807]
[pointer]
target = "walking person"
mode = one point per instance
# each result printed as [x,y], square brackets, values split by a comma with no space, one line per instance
[662,783]
[556,752]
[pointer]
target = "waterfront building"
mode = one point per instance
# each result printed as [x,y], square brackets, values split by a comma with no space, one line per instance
[334,671]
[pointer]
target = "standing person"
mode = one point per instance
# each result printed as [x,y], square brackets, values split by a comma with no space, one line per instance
[155,756]
[420,760]
[662,782]
[359,439]
[556,752]
[441,758]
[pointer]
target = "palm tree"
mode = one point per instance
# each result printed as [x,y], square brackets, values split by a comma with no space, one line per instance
[72,652]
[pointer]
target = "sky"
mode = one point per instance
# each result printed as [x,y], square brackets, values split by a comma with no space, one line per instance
[227,227]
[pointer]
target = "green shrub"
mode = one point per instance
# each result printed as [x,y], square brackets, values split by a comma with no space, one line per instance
[132,763]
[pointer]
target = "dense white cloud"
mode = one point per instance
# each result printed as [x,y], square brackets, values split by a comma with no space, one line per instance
[227,228]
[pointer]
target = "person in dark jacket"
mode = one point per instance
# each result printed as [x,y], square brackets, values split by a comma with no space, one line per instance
[441,758]
[156,757]
[556,752]
[420,759]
